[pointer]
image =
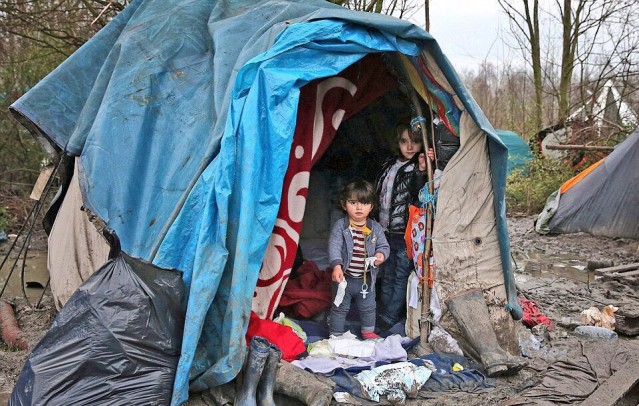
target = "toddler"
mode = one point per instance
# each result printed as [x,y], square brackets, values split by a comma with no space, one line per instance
[356,246]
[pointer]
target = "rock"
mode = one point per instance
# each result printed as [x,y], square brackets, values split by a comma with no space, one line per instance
[627,319]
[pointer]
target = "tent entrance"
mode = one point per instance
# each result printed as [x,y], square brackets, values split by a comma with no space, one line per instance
[348,122]
[360,147]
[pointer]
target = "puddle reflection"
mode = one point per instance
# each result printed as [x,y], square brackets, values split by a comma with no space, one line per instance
[554,265]
[36,275]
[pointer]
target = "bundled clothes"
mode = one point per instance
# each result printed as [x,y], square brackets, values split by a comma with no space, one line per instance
[283,337]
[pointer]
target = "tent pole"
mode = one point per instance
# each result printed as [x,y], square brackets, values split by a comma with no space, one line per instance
[427,281]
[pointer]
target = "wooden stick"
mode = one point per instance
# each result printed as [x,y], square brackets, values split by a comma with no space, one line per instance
[425,323]
[618,268]
[580,147]
[424,329]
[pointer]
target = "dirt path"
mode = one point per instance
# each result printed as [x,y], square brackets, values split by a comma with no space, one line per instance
[562,290]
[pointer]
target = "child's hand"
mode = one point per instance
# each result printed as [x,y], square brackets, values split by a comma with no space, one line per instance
[380,258]
[422,159]
[338,275]
[422,162]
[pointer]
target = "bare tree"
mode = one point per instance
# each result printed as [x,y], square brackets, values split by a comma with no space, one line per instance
[59,26]
[398,8]
[526,22]
[598,40]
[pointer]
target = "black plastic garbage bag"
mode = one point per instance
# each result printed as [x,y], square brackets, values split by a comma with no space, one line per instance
[117,341]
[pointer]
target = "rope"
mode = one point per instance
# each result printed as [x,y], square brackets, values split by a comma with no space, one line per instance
[425,197]
[416,120]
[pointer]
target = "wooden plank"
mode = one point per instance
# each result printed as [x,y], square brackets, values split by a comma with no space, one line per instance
[624,274]
[615,387]
[619,268]
[38,188]
[580,147]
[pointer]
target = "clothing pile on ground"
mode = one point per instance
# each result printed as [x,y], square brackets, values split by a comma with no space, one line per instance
[367,371]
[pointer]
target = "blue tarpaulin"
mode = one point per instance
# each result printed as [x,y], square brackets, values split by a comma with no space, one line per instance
[182,113]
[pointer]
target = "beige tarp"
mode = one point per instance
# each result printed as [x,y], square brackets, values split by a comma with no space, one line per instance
[465,243]
[76,249]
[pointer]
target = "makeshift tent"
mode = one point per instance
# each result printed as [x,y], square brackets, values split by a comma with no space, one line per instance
[518,150]
[601,200]
[197,124]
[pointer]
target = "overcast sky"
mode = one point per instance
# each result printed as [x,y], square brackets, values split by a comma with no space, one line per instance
[469,31]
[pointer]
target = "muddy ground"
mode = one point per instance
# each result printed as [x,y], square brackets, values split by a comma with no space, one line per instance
[551,270]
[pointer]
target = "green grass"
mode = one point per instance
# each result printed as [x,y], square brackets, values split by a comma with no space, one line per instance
[528,189]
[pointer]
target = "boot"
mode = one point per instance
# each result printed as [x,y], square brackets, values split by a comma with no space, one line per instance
[471,314]
[267,382]
[257,355]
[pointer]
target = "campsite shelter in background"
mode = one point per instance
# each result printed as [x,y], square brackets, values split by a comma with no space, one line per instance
[601,200]
[603,120]
[518,150]
[194,127]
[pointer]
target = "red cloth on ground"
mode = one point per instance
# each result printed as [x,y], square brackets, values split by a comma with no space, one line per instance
[308,294]
[284,337]
[532,315]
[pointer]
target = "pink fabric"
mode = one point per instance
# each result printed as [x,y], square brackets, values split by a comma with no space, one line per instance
[323,105]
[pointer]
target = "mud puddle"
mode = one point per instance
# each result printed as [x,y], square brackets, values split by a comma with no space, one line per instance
[543,265]
[32,273]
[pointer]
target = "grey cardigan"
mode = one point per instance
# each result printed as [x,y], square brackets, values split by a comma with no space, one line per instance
[340,243]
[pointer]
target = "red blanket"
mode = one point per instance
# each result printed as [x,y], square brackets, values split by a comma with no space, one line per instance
[308,294]
[282,336]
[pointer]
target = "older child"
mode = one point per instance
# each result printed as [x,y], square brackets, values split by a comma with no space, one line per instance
[353,239]
[398,186]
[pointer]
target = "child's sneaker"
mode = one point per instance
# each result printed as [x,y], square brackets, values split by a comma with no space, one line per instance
[369,335]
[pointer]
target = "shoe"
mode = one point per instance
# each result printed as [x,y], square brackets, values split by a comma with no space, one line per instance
[382,325]
[369,335]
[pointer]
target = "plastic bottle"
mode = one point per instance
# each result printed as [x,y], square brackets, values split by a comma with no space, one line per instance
[596,333]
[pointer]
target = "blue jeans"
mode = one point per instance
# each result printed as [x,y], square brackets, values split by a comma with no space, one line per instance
[397,269]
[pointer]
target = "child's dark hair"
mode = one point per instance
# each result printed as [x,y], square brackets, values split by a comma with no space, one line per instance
[399,130]
[359,190]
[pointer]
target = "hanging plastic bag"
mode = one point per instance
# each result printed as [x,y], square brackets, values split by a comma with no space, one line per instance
[415,236]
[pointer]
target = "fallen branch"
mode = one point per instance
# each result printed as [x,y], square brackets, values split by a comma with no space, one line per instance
[9,331]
